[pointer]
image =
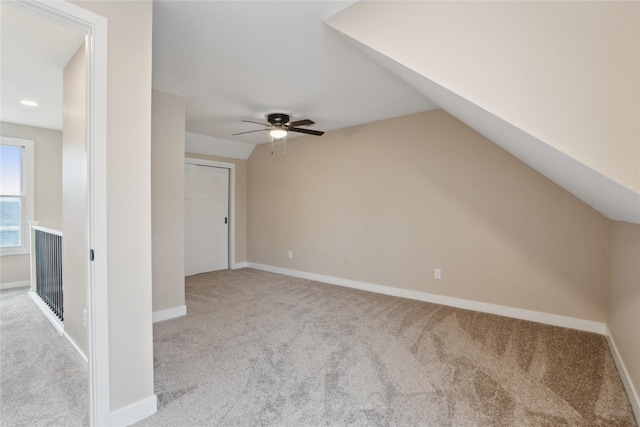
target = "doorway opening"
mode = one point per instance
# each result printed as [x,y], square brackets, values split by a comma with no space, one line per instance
[94,28]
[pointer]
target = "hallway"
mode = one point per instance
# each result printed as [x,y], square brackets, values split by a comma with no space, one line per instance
[42,380]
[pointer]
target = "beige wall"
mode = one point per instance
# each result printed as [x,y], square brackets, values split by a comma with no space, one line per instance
[128,198]
[167,194]
[389,201]
[75,244]
[241,201]
[47,188]
[545,67]
[624,299]
[14,269]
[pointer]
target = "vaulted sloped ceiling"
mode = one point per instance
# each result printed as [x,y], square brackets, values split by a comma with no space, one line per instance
[554,83]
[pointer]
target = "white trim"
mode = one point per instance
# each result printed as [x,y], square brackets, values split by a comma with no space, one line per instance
[79,352]
[27,194]
[501,310]
[48,230]
[32,256]
[11,285]
[169,313]
[58,326]
[135,412]
[239,265]
[232,200]
[97,295]
[632,393]
[57,323]
[95,28]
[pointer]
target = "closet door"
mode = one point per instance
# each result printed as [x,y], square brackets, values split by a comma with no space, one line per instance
[206,219]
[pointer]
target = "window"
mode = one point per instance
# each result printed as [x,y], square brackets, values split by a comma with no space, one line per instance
[16,195]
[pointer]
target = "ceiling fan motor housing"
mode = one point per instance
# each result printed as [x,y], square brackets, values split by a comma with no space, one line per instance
[278,118]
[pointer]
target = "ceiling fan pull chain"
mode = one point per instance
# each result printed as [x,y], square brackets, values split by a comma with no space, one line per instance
[284,145]
[272,138]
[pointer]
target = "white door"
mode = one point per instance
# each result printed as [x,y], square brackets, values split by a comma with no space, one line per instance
[206,219]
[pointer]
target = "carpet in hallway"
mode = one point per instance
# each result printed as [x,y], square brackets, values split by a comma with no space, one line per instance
[42,381]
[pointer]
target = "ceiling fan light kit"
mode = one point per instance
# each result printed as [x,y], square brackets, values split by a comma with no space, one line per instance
[278,133]
[279,127]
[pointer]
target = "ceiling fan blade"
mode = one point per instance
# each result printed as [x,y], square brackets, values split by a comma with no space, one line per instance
[250,131]
[257,123]
[309,131]
[301,123]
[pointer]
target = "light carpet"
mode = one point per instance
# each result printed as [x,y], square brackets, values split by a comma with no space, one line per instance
[42,381]
[264,349]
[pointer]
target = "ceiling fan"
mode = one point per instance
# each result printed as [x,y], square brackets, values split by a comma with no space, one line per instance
[279,126]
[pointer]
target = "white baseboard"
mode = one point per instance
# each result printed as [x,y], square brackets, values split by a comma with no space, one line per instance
[11,285]
[58,326]
[135,412]
[238,265]
[632,393]
[501,310]
[57,323]
[169,313]
[79,353]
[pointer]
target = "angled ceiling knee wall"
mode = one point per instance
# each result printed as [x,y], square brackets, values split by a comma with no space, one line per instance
[554,84]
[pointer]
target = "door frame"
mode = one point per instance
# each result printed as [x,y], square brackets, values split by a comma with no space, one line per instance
[232,201]
[95,29]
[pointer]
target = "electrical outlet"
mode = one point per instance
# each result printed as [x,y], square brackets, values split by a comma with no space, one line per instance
[84,317]
[437,274]
[290,254]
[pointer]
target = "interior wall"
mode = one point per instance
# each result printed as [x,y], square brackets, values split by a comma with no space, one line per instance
[75,243]
[544,67]
[129,199]
[47,187]
[624,303]
[387,202]
[167,191]
[240,198]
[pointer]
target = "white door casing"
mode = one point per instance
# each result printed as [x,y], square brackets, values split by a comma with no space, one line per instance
[206,219]
[95,28]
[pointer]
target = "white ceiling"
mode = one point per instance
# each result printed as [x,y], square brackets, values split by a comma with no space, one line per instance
[33,54]
[235,60]
[231,60]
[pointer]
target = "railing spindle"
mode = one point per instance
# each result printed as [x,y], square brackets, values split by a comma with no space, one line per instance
[48,256]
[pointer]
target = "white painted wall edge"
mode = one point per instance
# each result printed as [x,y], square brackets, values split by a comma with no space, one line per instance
[169,313]
[12,285]
[135,412]
[501,310]
[632,393]
[238,265]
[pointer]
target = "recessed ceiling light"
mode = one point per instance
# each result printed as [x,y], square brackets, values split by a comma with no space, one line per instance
[29,103]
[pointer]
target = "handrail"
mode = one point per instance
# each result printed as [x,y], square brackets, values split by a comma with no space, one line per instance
[48,230]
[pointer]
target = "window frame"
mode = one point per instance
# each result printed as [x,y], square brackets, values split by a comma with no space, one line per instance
[28,180]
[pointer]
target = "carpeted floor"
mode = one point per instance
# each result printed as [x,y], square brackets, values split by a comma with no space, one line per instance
[264,349]
[42,381]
